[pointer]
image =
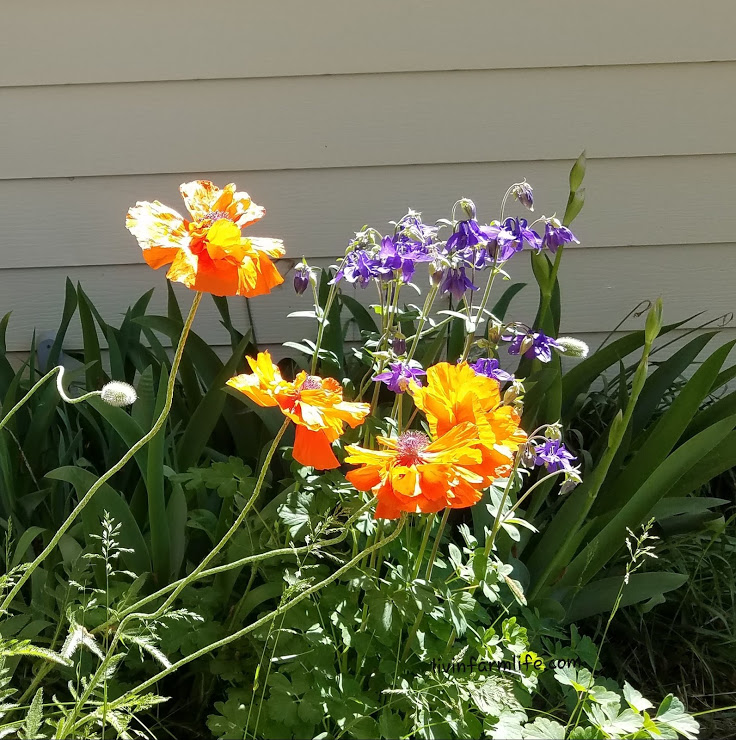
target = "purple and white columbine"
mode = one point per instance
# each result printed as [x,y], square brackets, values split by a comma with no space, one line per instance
[399,375]
[555,235]
[553,454]
[533,345]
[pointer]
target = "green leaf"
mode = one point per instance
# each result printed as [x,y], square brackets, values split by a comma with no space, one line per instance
[70,308]
[503,303]
[577,173]
[361,316]
[24,542]
[107,499]
[176,514]
[672,713]
[92,355]
[34,718]
[599,597]
[544,729]
[574,206]
[641,502]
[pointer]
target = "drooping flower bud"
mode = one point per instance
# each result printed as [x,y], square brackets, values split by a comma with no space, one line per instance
[398,343]
[468,208]
[553,431]
[301,278]
[571,347]
[119,394]
[524,194]
[513,392]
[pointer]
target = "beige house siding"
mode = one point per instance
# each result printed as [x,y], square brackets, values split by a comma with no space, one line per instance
[334,114]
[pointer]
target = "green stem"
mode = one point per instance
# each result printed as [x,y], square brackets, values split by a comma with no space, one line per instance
[428,301]
[322,323]
[247,560]
[258,623]
[430,567]
[427,530]
[499,514]
[486,296]
[142,442]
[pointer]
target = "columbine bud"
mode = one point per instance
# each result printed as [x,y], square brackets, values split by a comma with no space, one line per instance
[119,394]
[468,208]
[526,344]
[572,479]
[513,392]
[528,456]
[398,344]
[525,195]
[301,278]
[494,333]
[571,347]
[553,431]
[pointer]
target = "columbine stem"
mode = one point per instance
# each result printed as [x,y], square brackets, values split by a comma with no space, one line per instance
[142,442]
[322,323]
[428,301]
[486,296]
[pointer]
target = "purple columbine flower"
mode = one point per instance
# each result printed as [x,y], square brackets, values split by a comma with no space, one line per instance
[553,454]
[399,253]
[301,278]
[555,235]
[520,231]
[412,228]
[536,345]
[360,266]
[456,282]
[398,377]
[489,367]
[468,234]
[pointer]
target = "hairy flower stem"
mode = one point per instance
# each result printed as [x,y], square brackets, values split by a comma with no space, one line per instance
[427,578]
[499,514]
[427,531]
[241,562]
[142,442]
[258,623]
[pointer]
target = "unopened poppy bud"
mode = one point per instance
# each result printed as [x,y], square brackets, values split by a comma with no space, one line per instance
[118,393]
[525,195]
[301,278]
[571,347]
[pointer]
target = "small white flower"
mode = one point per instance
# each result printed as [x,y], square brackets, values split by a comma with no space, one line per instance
[118,393]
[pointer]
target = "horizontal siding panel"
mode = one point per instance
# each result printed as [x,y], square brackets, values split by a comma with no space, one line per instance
[367,120]
[639,201]
[141,41]
[599,287]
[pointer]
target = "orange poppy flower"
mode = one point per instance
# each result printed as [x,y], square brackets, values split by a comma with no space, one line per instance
[314,404]
[453,394]
[208,252]
[415,474]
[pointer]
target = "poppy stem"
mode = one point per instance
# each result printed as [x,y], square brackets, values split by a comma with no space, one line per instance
[258,623]
[142,442]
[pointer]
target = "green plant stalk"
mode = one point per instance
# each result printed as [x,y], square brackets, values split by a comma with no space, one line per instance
[142,442]
[425,538]
[427,577]
[549,288]
[247,560]
[486,297]
[426,308]
[499,514]
[255,625]
[546,478]
[616,435]
[322,324]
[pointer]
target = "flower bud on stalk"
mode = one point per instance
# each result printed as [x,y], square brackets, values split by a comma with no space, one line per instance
[524,194]
[398,344]
[571,347]
[119,394]
[301,278]
[513,392]
[468,208]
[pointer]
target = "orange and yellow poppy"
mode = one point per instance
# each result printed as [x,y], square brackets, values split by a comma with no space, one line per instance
[453,394]
[208,253]
[314,404]
[418,475]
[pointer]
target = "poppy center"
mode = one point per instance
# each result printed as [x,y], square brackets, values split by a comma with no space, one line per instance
[213,216]
[311,383]
[409,447]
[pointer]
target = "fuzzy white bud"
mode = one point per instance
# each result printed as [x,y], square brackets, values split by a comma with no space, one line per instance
[117,393]
[572,347]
